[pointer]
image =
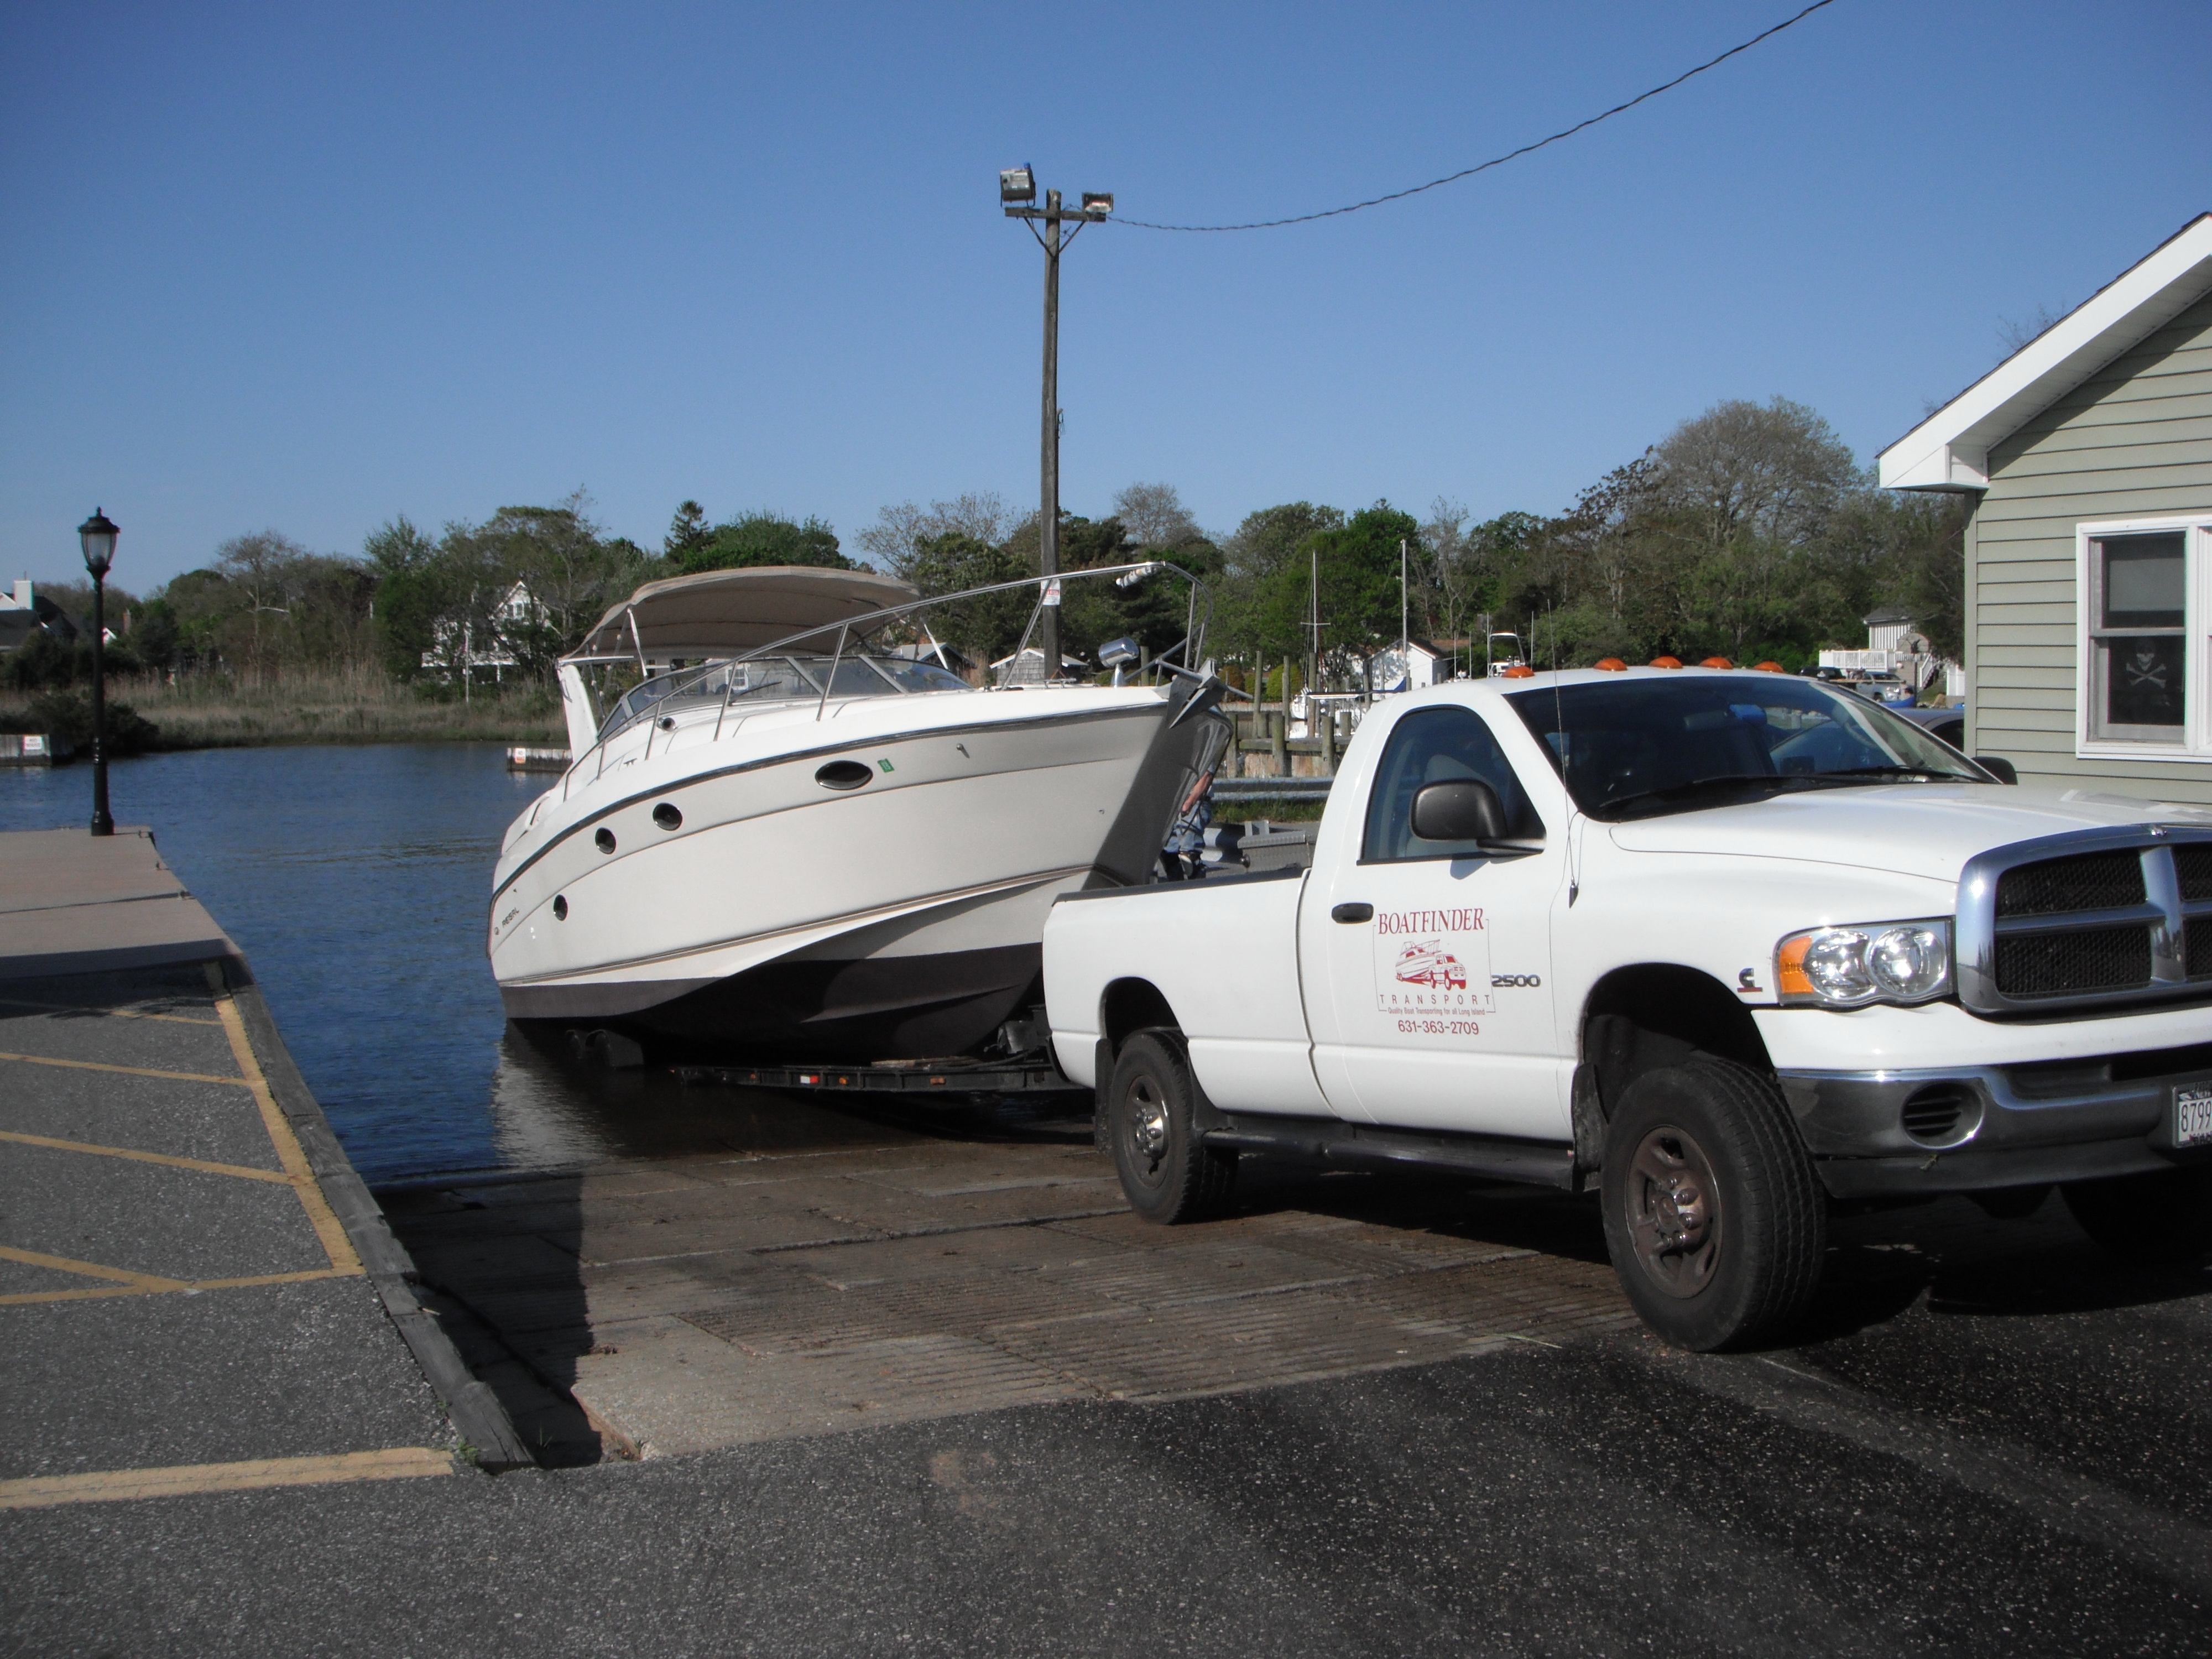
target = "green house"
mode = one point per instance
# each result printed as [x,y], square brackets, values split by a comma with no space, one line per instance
[2089,456]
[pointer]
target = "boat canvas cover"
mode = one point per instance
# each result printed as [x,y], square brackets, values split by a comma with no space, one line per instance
[719,613]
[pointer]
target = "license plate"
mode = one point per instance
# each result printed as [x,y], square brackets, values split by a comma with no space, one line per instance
[2192,1115]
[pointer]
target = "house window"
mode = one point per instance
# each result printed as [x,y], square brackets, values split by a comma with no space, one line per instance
[2143,665]
[2138,674]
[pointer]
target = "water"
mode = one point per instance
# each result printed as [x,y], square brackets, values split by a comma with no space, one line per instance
[354,879]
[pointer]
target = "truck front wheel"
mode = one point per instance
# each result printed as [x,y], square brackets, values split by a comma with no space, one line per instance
[1167,1173]
[1713,1215]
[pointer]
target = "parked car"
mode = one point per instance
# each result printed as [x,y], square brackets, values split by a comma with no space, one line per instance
[1758,948]
[1948,724]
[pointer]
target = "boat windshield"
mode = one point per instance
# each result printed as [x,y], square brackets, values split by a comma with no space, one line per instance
[760,680]
[1643,747]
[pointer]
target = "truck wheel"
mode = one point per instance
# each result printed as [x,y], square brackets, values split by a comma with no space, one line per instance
[1168,1174]
[1713,1217]
[2164,1216]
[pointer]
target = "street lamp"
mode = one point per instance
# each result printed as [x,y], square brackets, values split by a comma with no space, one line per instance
[98,534]
[1017,195]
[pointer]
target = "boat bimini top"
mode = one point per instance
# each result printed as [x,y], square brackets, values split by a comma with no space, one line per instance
[725,613]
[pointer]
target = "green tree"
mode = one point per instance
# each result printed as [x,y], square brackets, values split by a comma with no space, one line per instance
[764,538]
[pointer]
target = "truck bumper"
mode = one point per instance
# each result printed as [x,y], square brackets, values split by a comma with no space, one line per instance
[1968,1128]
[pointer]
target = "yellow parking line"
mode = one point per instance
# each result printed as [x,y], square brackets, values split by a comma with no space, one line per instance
[328,1228]
[120,1013]
[399,1463]
[244,1172]
[137,1281]
[128,1071]
[173,1287]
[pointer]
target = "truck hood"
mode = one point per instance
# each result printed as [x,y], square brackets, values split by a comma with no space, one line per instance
[1910,828]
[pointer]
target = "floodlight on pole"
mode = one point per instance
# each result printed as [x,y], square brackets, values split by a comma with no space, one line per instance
[1017,194]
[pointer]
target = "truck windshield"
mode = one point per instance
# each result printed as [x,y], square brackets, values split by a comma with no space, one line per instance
[1641,746]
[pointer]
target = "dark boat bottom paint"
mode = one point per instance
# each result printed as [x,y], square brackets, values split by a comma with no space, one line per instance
[919,1007]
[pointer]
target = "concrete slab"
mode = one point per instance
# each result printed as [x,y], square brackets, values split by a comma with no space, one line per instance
[686,1303]
[77,903]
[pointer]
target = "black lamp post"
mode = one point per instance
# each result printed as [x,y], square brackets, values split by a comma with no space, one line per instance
[97,535]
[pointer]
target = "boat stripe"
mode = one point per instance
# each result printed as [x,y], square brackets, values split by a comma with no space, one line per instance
[842,748]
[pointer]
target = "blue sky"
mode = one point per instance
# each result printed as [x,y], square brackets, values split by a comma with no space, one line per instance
[307,267]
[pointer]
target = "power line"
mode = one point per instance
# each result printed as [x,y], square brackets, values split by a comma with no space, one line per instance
[1497,161]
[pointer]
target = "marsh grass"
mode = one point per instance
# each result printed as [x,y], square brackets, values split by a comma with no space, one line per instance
[335,705]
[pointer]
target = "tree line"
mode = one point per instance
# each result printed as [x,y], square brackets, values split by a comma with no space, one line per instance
[1749,531]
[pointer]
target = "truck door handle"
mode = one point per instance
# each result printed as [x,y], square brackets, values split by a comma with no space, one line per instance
[1352,913]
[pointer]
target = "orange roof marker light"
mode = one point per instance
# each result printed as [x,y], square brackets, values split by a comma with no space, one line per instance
[1768,668]
[1666,662]
[1610,665]
[1520,671]
[1716,662]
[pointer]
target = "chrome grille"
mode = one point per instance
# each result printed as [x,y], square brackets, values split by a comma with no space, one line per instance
[2100,918]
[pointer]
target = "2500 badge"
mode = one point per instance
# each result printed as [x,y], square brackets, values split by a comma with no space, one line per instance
[1515,982]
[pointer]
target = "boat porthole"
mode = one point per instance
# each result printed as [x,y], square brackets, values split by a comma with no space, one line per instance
[605,841]
[560,907]
[668,722]
[843,775]
[667,816]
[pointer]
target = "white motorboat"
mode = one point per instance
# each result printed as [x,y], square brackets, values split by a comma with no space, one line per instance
[793,839]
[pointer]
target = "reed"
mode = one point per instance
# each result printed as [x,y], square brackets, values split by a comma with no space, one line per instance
[323,705]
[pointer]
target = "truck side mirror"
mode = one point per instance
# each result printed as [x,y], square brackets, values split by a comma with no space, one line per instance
[1998,767]
[1459,809]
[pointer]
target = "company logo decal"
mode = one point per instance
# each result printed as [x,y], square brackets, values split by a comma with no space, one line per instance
[1432,962]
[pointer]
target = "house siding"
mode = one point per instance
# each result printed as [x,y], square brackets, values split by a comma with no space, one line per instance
[2133,441]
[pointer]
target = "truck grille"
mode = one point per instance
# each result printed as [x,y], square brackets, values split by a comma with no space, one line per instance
[2100,917]
[2101,881]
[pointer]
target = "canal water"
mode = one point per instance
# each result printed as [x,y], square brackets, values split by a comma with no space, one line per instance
[354,879]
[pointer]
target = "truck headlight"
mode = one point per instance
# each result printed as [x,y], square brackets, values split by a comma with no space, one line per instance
[1900,962]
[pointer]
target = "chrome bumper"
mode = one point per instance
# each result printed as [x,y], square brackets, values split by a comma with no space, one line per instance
[2017,1125]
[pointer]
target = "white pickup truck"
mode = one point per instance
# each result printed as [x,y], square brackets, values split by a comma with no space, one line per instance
[1731,947]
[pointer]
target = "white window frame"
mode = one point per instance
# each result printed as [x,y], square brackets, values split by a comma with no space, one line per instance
[2196,744]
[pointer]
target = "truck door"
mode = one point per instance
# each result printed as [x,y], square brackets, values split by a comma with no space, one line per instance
[1436,1005]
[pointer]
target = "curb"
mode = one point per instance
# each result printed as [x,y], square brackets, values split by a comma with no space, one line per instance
[475,1410]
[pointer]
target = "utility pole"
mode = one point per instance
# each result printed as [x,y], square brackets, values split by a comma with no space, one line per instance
[1017,195]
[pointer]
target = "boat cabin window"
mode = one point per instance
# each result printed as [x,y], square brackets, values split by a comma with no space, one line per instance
[909,676]
[761,680]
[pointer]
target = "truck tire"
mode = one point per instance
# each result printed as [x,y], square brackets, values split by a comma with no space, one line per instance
[1713,1217]
[1168,1174]
[2164,1218]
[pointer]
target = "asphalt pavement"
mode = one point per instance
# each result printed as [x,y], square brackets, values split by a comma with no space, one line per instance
[1988,1449]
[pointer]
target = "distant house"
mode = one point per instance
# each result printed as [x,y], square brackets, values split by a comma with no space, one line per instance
[1409,668]
[486,647]
[2088,456]
[1895,647]
[23,612]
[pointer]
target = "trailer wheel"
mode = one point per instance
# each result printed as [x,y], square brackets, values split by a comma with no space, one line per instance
[2164,1216]
[1168,1174]
[1713,1217]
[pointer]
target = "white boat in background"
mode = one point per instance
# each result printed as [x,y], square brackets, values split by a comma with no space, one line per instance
[791,839]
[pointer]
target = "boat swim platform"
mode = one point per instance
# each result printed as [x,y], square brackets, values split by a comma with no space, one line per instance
[196,1292]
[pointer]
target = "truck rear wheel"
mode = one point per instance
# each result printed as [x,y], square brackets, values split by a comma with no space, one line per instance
[2164,1216]
[1713,1217]
[1167,1172]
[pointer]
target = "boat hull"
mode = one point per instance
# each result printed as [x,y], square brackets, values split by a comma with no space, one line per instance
[786,918]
